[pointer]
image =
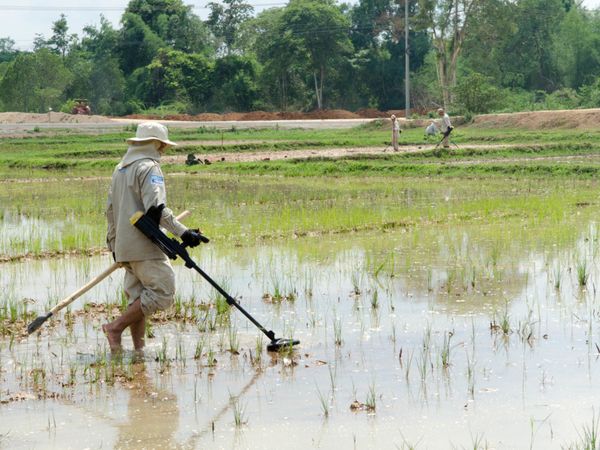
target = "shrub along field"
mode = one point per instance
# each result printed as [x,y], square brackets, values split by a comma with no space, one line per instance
[428,288]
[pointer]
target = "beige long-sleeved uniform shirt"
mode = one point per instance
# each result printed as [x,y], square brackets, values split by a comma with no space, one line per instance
[137,184]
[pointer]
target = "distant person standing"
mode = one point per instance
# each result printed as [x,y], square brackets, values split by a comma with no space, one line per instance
[445,127]
[395,132]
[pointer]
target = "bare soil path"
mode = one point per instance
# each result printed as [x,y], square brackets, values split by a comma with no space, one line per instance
[315,153]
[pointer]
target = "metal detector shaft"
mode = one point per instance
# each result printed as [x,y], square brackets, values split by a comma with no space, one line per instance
[232,302]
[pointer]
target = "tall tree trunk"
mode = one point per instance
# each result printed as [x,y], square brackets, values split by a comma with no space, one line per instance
[448,36]
[317,92]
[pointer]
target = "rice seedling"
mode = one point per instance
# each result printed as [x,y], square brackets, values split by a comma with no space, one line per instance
[503,324]
[478,442]
[406,445]
[234,341]
[582,273]
[332,368]
[589,435]
[180,353]
[375,299]
[211,360]
[199,349]
[337,331]
[324,402]
[557,277]
[238,409]
[258,349]
[371,400]
[356,279]
[162,357]
[470,375]
[148,329]
[445,352]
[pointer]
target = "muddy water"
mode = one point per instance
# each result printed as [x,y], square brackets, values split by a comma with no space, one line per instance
[417,317]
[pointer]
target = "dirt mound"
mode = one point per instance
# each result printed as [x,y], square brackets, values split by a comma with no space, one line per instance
[262,115]
[52,117]
[291,115]
[232,116]
[370,113]
[209,117]
[331,114]
[539,120]
[259,115]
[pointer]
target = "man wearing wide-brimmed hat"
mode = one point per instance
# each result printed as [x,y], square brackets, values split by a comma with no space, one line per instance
[138,184]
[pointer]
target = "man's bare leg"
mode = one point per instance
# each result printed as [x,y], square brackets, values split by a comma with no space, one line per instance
[138,332]
[114,329]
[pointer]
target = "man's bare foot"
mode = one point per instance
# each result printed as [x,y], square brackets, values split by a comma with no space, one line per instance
[113,336]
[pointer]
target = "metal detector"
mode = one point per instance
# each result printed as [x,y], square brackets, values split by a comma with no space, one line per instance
[173,248]
[444,136]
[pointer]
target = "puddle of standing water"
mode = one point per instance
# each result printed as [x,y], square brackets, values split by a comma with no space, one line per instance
[430,338]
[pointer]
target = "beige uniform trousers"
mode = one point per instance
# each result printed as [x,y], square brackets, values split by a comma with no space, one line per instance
[446,142]
[395,136]
[152,281]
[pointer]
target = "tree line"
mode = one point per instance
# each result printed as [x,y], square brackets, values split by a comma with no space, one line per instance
[471,56]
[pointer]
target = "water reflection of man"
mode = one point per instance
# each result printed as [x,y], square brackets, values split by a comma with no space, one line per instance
[153,415]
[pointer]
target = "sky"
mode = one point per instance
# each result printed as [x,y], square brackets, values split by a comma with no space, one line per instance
[22,19]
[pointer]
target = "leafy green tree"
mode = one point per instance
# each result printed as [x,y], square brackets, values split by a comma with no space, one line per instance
[138,43]
[34,82]
[281,78]
[100,42]
[173,22]
[475,94]
[378,61]
[590,94]
[107,87]
[486,46]
[317,33]
[96,74]
[448,22]
[528,52]
[225,21]
[175,76]
[7,50]
[577,47]
[235,83]
[61,41]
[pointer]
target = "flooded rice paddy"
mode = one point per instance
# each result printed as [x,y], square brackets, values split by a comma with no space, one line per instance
[471,333]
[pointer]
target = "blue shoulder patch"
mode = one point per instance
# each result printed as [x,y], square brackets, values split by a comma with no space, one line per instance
[157,179]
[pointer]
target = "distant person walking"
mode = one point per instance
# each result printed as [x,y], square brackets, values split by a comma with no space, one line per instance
[395,132]
[445,127]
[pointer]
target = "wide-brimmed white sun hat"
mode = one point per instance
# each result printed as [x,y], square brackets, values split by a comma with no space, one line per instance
[151,131]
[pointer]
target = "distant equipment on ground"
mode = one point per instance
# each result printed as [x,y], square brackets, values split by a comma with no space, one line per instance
[82,106]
